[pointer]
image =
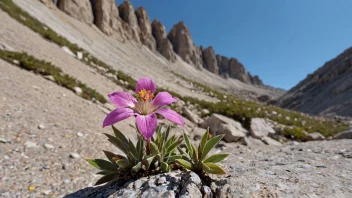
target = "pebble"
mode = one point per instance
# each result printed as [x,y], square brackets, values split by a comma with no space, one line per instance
[41,126]
[30,144]
[79,134]
[46,192]
[36,87]
[67,181]
[78,90]
[3,140]
[48,146]
[161,180]
[74,155]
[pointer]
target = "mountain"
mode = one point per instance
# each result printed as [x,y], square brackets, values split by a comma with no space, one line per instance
[135,25]
[326,91]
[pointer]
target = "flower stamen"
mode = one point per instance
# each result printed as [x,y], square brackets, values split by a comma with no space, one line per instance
[146,94]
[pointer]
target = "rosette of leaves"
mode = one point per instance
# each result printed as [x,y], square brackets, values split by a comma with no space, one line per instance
[198,160]
[164,148]
[134,163]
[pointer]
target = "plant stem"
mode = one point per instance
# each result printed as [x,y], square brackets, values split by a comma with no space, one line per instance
[148,147]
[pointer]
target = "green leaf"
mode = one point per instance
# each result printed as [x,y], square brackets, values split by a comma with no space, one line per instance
[124,163]
[185,164]
[164,166]
[147,162]
[210,145]
[204,140]
[195,156]
[105,172]
[216,158]
[172,158]
[173,146]
[154,149]
[102,164]
[188,144]
[123,146]
[110,156]
[137,167]
[106,178]
[212,168]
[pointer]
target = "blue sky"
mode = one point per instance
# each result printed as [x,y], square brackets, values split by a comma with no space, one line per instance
[280,40]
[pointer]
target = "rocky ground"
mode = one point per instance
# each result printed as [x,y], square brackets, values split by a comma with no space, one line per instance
[47,130]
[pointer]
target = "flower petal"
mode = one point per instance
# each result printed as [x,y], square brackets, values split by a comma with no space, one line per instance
[171,115]
[117,115]
[147,124]
[122,99]
[147,84]
[163,98]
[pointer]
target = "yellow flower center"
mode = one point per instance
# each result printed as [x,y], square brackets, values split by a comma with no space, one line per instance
[146,95]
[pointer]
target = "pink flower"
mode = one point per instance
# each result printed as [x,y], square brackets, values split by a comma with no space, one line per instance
[144,108]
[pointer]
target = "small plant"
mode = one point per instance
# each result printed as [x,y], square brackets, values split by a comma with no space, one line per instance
[164,148]
[135,162]
[197,159]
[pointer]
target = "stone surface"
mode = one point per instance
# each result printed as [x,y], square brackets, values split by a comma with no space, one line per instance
[219,124]
[209,60]
[78,9]
[146,35]
[106,17]
[163,44]
[344,135]
[270,141]
[238,71]
[261,128]
[314,136]
[68,51]
[223,64]
[127,14]
[191,116]
[181,40]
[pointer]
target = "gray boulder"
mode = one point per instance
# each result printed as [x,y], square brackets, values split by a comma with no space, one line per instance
[314,136]
[219,124]
[261,128]
[344,135]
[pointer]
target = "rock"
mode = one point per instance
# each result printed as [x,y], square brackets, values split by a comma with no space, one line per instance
[3,140]
[161,180]
[78,9]
[163,44]
[238,71]
[80,55]
[68,51]
[74,155]
[270,141]
[78,90]
[191,116]
[16,62]
[207,192]
[219,124]
[183,45]
[48,146]
[344,135]
[223,64]
[127,14]
[205,111]
[260,128]
[49,3]
[79,134]
[263,98]
[50,77]
[146,35]
[314,136]
[41,126]
[252,142]
[30,144]
[255,80]
[197,133]
[209,60]
[4,46]
[106,17]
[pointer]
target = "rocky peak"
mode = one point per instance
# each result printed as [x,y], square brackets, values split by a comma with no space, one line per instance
[209,60]
[223,64]
[127,14]
[163,44]
[238,71]
[78,9]
[145,28]
[183,45]
[106,16]
[255,80]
